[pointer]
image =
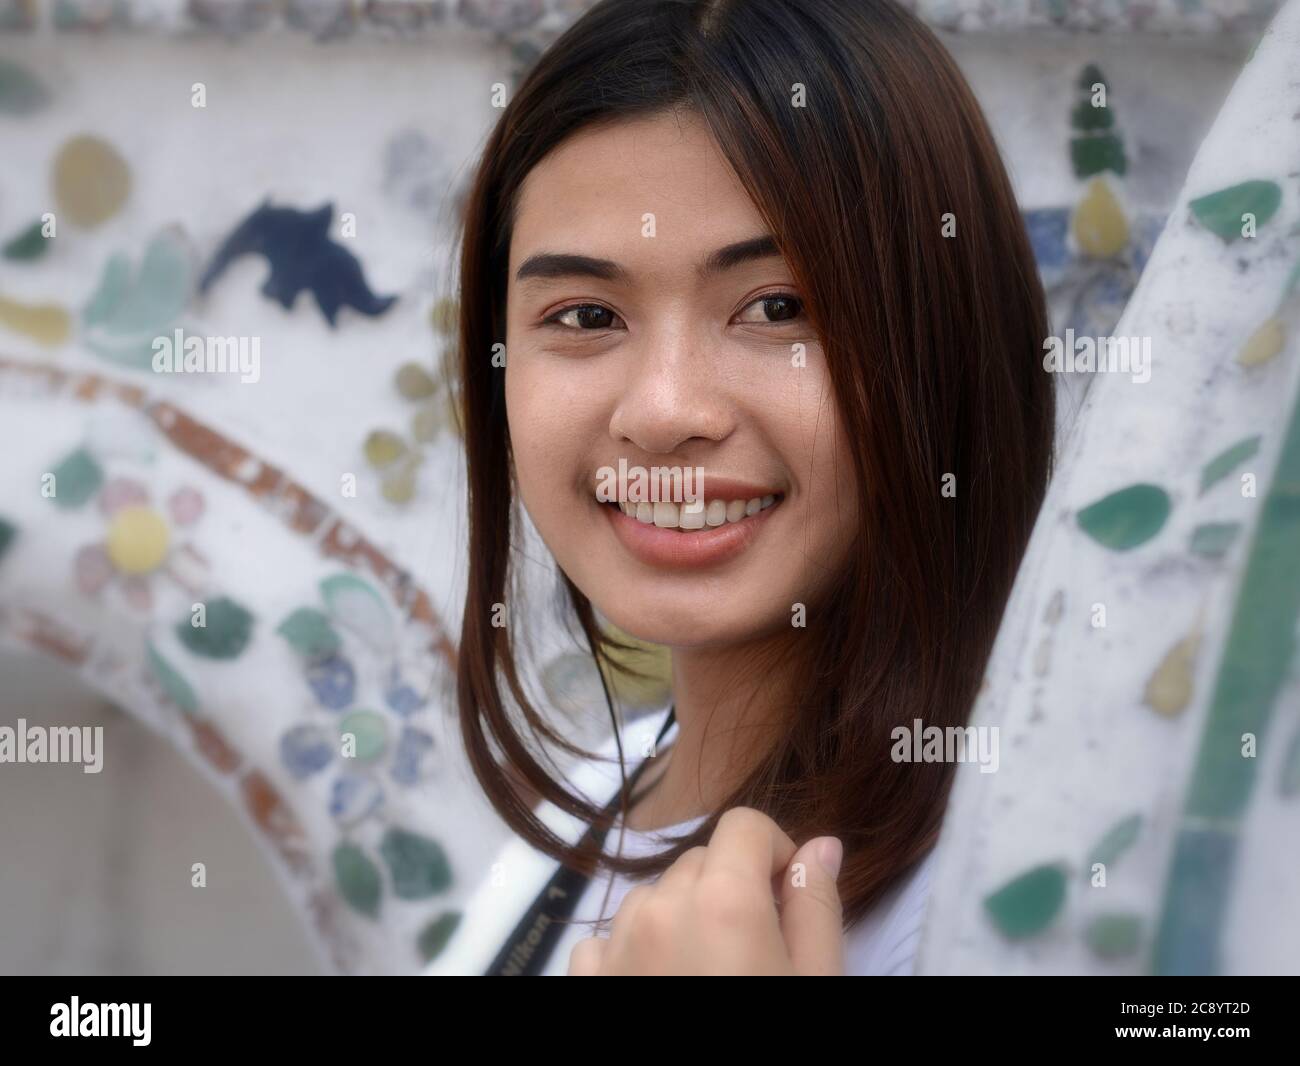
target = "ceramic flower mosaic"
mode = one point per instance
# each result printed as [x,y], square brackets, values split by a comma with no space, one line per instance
[280,636]
[138,545]
[340,770]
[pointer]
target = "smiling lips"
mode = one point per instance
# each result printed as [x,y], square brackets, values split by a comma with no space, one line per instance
[693,535]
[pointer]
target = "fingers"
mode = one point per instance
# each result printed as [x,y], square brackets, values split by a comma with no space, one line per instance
[682,874]
[812,917]
[627,907]
[748,902]
[586,957]
[747,844]
[685,871]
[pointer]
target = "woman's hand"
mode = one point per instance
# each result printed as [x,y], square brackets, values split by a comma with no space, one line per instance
[748,903]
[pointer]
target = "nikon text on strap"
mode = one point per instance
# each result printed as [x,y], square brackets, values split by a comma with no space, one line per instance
[528,948]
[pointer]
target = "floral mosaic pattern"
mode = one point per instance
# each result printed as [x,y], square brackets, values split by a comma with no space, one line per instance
[434,412]
[370,694]
[138,543]
[361,647]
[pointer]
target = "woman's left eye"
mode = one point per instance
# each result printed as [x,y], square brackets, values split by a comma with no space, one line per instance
[773,308]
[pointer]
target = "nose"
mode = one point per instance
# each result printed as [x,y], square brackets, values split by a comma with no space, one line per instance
[671,393]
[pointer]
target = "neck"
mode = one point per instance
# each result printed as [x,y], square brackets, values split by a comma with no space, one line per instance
[728,704]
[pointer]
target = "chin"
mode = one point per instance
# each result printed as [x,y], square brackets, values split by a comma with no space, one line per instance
[697,620]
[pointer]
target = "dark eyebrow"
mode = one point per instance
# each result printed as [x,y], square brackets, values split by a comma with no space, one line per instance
[568,265]
[763,247]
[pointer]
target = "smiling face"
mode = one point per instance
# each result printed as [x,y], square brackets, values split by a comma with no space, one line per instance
[651,320]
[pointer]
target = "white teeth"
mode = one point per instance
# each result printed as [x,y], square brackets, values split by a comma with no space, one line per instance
[698,515]
[692,515]
[666,515]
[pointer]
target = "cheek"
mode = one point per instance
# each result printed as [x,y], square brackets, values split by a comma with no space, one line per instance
[550,452]
[536,440]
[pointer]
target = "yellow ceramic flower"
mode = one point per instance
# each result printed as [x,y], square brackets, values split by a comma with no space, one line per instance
[138,537]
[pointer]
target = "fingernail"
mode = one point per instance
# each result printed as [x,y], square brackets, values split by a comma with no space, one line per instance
[830,853]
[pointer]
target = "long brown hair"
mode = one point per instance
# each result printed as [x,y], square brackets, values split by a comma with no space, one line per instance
[888,199]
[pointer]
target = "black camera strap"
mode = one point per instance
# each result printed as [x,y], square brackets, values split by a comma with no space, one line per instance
[528,948]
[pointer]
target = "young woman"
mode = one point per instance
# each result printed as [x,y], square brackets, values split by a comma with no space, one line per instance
[770,241]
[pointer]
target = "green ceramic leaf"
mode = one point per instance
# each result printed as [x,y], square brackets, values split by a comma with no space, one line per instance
[1126,518]
[177,688]
[20,92]
[418,866]
[76,479]
[1221,212]
[226,634]
[357,879]
[129,309]
[1027,904]
[113,284]
[153,298]
[355,604]
[1118,839]
[435,936]
[1114,935]
[1094,154]
[1213,539]
[1090,76]
[1087,118]
[30,244]
[1221,465]
[309,632]
[369,733]
[162,287]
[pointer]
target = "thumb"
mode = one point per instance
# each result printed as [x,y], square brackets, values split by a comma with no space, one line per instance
[811,914]
[587,955]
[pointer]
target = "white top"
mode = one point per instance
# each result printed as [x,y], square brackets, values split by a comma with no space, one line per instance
[883,943]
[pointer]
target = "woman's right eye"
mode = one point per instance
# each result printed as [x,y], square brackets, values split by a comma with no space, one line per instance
[583,317]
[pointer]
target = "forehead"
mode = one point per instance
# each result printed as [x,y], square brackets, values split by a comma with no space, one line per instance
[592,193]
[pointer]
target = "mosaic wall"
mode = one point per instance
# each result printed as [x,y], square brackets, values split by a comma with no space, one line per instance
[307,502]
